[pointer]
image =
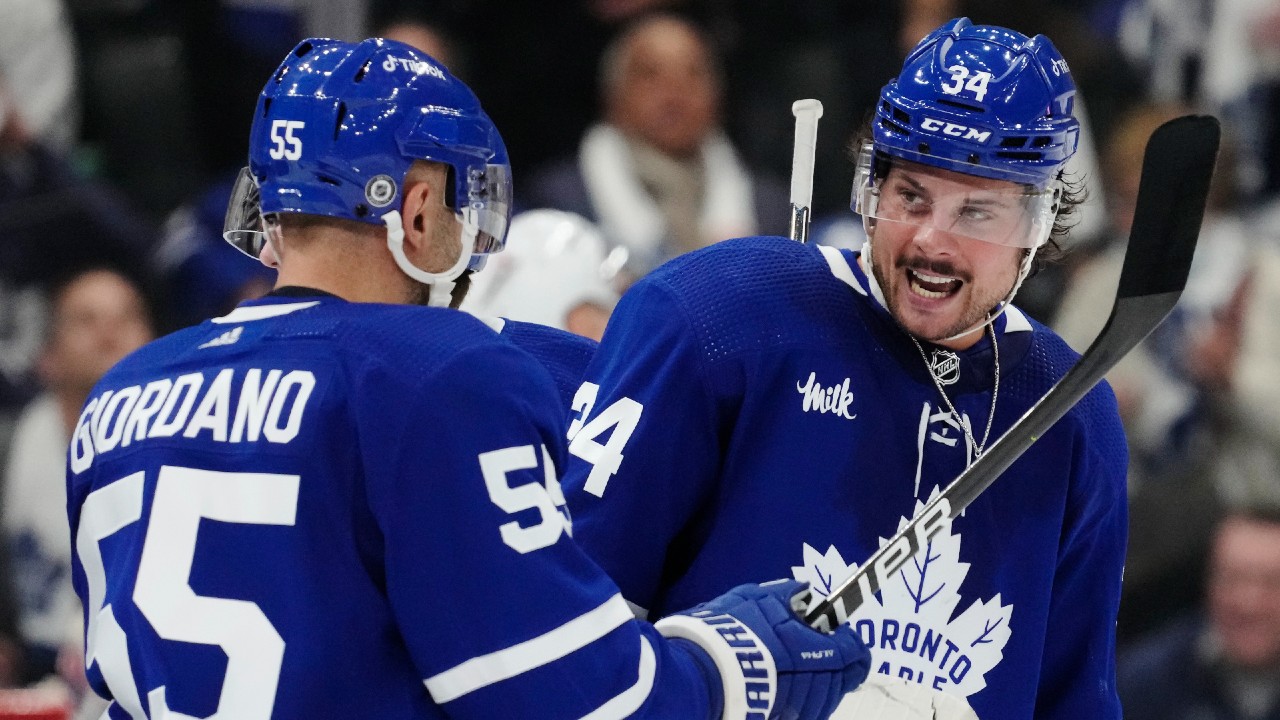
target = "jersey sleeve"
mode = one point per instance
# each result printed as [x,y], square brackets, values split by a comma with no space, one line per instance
[500,611]
[645,442]
[1078,678]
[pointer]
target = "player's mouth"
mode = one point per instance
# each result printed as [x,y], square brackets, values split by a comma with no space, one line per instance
[931,286]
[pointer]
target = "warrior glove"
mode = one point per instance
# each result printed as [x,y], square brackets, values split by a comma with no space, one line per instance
[771,664]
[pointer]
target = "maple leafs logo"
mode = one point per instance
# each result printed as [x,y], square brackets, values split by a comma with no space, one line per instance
[912,628]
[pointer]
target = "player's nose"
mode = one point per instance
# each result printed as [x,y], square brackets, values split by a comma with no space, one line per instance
[268,256]
[929,238]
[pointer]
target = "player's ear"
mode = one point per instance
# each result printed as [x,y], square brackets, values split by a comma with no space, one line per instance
[417,212]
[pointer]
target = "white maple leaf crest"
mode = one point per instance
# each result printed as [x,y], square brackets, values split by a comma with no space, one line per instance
[912,628]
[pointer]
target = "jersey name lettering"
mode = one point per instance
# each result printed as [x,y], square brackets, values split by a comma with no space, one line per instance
[258,405]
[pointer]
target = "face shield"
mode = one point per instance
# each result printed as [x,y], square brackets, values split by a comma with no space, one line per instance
[485,215]
[488,207]
[243,225]
[914,193]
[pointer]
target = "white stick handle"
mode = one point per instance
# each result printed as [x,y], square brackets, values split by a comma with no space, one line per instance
[807,113]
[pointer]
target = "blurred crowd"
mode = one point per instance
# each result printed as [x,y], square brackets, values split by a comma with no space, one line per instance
[639,130]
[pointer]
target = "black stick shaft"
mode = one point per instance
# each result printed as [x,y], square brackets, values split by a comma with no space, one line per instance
[1171,198]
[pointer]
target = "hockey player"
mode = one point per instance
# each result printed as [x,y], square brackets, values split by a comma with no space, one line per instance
[329,504]
[763,407]
[557,271]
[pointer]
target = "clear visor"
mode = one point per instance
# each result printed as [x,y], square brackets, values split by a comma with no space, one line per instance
[993,211]
[243,226]
[489,207]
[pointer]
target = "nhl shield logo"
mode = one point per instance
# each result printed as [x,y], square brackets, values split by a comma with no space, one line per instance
[380,190]
[945,366]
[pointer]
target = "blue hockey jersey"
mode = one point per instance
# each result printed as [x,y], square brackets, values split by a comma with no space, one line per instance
[315,509]
[753,411]
[563,354]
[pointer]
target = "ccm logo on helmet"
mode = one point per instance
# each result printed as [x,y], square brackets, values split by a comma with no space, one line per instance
[954,130]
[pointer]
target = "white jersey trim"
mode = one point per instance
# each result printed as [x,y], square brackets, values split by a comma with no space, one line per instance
[485,670]
[494,322]
[840,268]
[262,312]
[628,701]
[1015,321]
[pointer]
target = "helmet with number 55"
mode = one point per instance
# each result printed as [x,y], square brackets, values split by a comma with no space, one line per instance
[335,132]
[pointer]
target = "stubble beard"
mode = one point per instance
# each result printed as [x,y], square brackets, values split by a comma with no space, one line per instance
[974,312]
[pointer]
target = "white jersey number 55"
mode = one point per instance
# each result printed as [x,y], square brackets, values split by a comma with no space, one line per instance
[162,590]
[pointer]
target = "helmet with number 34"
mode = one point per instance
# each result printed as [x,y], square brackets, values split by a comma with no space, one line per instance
[336,130]
[983,101]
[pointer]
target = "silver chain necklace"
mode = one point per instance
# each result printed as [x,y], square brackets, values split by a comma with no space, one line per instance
[995,392]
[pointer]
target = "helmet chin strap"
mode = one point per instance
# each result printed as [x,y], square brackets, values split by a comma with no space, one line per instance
[441,283]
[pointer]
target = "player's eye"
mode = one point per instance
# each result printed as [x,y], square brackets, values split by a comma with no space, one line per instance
[972,213]
[911,201]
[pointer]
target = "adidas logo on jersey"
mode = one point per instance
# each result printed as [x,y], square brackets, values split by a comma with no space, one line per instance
[835,399]
[227,338]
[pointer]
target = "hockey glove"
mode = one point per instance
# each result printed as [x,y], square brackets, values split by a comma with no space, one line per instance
[771,663]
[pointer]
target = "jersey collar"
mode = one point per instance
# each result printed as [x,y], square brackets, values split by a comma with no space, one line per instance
[1013,328]
[280,301]
[845,267]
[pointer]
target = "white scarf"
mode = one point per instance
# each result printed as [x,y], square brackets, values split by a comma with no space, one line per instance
[627,214]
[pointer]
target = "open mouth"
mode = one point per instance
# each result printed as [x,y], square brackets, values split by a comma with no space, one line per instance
[932,286]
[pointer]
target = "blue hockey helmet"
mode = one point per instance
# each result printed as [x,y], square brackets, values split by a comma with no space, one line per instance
[336,130]
[979,100]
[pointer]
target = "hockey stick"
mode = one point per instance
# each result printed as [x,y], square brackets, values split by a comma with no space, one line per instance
[1171,198]
[807,113]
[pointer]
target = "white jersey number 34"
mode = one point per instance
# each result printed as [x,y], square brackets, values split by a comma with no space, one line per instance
[622,416]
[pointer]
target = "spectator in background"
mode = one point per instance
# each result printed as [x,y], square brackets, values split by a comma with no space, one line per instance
[98,317]
[38,63]
[557,270]
[1196,392]
[1223,664]
[51,220]
[1219,56]
[536,62]
[1204,353]
[657,174]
